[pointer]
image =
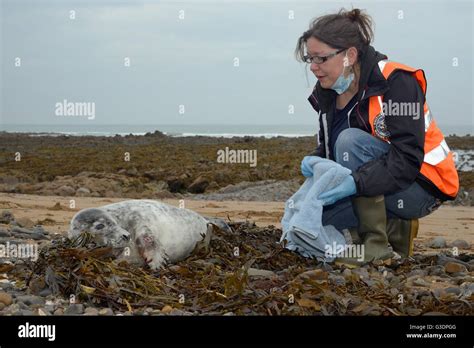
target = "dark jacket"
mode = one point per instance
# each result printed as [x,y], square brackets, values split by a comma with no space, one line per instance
[400,166]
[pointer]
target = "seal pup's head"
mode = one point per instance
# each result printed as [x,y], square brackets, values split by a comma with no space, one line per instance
[101,225]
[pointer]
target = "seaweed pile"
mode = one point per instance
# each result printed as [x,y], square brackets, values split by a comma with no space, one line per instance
[247,272]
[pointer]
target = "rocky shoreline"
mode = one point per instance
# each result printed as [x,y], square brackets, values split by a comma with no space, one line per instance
[262,279]
[438,280]
[158,167]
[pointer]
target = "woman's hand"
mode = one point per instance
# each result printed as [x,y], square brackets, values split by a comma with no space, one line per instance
[306,169]
[344,189]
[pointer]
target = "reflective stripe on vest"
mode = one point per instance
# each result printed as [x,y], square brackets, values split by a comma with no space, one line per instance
[438,164]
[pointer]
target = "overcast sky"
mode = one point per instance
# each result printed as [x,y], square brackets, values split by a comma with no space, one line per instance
[190,61]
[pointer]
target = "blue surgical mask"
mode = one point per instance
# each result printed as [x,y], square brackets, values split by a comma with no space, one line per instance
[342,83]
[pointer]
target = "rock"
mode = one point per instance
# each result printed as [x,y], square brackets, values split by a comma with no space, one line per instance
[82,192]
[91,311]
[347,273]
[43,312]
[443,260]
[176,184]
[65,190]
[23,306]
[5,284]
[30,300]
[49,307]
[453,290]
[421,282]
[59,311]
[362,272]
[18,230]
[132,172]
[467,289]
[323,266]
[45,292]
[229,314]
[106,311]
[179,312]
[436,243]
[452,267]
[5,233]
[13,309]
[28,234]
[337,280]
[460,244]
[27,312]
[2,306]
[255,272]
[388,275]
[416,272]
[74,309]
[315,274]
[156,134]
[40,229]
[25,222]
[213,186]
[6,217]
[439,292]
[199,185]
[166,309]
[436,271]
[5,298]
[37,285]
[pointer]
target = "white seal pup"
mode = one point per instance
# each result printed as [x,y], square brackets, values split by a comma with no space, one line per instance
[154,232]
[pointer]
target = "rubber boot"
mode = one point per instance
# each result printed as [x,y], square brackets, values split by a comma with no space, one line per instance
[401,234]
[372,231]
[352,235]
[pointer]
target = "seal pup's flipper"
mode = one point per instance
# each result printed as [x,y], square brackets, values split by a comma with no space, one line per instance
[219,223]
[203,245]
[151,250]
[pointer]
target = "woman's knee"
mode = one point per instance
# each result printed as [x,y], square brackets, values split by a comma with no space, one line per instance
[349,138]
[349,144]
[354,147]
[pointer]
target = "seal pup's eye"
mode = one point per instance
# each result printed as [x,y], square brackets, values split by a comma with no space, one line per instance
[99,226]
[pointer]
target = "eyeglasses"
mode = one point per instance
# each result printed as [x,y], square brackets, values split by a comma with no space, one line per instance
[319,60]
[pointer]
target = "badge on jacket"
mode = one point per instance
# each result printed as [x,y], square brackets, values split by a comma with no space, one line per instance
[381,127]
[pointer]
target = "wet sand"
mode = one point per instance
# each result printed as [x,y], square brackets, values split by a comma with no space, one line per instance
[449,222]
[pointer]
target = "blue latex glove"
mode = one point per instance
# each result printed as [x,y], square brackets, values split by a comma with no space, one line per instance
[346,188]
[306,169]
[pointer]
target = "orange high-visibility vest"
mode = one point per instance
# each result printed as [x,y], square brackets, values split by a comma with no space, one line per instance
[438,164]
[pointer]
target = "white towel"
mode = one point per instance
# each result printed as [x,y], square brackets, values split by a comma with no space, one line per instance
[302,221]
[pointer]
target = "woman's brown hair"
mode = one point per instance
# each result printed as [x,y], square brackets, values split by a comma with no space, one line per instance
[341,30]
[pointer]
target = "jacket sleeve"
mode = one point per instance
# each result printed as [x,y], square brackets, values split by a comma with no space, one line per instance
[320,149]
[397,169]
